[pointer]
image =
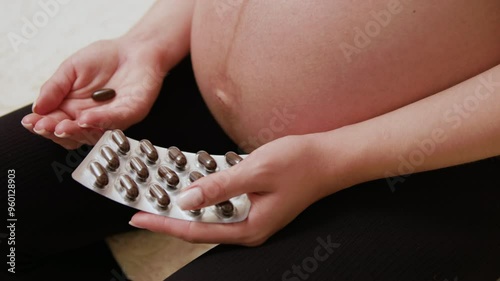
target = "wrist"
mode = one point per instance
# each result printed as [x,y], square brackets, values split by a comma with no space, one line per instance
[342,159]
[165,31]
[149,51]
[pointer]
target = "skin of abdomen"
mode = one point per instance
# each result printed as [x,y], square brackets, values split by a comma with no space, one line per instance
[267,69]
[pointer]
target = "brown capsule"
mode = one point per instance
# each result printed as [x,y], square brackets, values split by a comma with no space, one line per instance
[103,94]
[139,168]
[226,209]
[169,176]
[176,155]
[121,140]
[196,212]
[101,176]
[207,161]
[195,175]
[161,197]
[111,158]
[130,187]
[233,158]
[149,150]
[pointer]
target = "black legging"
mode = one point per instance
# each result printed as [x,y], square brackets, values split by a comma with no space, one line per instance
[439,225]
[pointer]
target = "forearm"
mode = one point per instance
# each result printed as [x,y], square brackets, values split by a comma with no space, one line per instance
[458,125]
[165,28]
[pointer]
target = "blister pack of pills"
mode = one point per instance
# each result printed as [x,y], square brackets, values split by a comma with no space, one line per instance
[149,178]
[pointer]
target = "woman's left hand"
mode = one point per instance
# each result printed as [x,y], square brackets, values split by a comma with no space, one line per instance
[281,178]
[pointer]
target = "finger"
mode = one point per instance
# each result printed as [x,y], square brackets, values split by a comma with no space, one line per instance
[67,143]
[115,117]
[30,120]
[213,189]
[45,126]
[64,142]
[55,89]
[69,129]
[197,232]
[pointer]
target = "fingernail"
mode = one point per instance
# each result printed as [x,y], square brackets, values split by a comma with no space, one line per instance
[83,125]
[61,135]
[27,125]
[190,198]
[40,131]
[132,224]
[33,108]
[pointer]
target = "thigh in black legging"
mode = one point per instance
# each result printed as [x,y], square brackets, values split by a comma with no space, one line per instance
[54,213]
[442,225]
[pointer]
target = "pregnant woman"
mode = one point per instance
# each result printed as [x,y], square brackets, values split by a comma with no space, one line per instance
[324,95]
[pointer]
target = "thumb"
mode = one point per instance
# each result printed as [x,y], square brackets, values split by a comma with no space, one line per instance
[212,189]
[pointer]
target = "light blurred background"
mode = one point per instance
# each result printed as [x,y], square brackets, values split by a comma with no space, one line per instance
[25,66]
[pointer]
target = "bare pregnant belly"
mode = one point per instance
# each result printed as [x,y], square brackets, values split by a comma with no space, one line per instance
[272,68]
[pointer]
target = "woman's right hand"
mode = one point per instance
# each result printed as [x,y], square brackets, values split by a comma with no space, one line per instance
[65,111]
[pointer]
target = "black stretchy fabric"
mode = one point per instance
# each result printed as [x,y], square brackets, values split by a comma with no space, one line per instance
[439,225]
[56,215]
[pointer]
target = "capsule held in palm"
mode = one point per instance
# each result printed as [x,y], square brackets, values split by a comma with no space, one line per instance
[103,94]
